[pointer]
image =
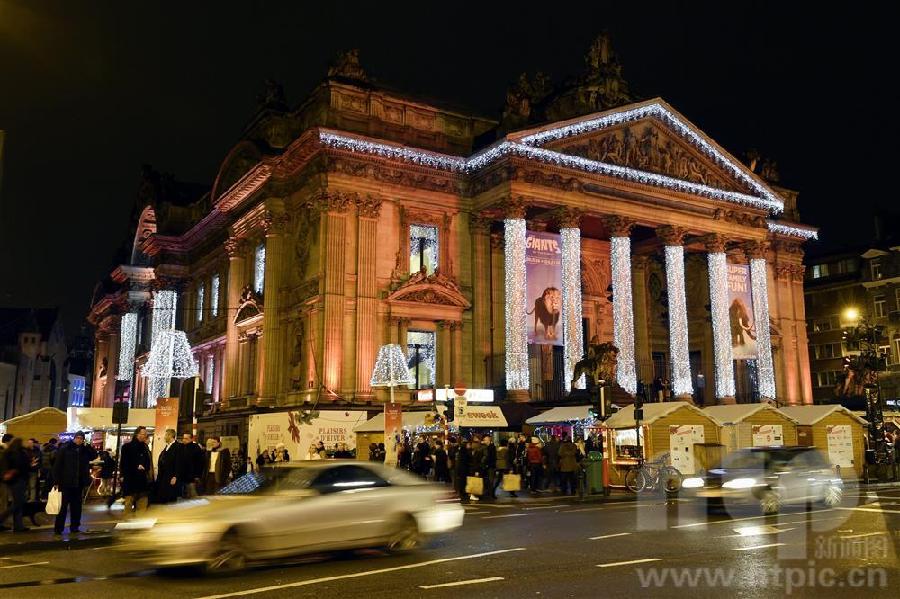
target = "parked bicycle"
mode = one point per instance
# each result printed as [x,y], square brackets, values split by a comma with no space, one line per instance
[653,476]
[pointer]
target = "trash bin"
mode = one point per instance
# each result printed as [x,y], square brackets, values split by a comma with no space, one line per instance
[594,471]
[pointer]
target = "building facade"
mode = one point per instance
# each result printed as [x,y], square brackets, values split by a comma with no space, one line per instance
[363,217]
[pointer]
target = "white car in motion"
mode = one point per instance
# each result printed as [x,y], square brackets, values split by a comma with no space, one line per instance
[295,508]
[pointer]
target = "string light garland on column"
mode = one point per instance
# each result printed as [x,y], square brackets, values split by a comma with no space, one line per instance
[259,268]
[516,335]
[164,304]
[718,300]
[759,286]
[623,312]
[214,296]
[128,341]
[570,238]
[678,323]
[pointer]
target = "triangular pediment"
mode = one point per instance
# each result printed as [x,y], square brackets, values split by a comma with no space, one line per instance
[433,289]
[653,138]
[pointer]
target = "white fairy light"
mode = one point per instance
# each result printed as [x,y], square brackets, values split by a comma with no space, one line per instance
[792,230]
[432,159]
[658,111]
[214,296]
[164,304]
[390,368]
[570,238]
[425,341]
[170,357]
[259,268]
[760,293]
[201,297]
[718,300]
[623,312]
[516,318]
[128,342]
[210,373]
[678,322]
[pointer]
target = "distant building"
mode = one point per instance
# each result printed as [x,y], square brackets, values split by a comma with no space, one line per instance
[32,360]
[847,287]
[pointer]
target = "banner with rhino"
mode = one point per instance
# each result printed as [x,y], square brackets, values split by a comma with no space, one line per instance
[543,278]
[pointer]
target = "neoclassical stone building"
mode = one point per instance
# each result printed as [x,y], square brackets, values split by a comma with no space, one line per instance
[364,216]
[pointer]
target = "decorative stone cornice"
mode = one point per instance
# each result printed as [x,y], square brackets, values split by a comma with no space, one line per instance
[234,247]
[568,218]
[671,235]
[618,226]
[368,206]
[714,243]
[789,246]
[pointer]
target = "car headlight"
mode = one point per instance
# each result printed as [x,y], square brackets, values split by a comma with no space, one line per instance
[695,482]
[740,483]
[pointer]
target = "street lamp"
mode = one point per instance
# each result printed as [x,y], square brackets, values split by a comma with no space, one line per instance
[851,315]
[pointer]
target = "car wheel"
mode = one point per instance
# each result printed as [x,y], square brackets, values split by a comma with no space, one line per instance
[833,496]
[229,556]
[770,502]
[405,536]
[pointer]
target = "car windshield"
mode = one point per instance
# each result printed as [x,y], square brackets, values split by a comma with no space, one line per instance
[269,480]
[744,460]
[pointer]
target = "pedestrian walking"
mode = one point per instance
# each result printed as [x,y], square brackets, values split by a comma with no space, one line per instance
[535,459]
[16,462]
[4,488]
[137,472]
[441,463]
[72,473]
[504,464]
[107,471]
[194,459]
[568,464]
[551,461]
[489,466]
[168,469]
[462,462]
[218,466]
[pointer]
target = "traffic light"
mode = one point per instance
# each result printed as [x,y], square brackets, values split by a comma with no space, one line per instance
[449,409]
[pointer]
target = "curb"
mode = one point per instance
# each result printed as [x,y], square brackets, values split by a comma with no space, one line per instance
[90,540]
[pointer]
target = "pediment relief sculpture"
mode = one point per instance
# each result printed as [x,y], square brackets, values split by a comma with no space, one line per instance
[436,289]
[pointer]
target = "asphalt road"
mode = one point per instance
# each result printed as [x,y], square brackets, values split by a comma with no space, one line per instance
[550,548]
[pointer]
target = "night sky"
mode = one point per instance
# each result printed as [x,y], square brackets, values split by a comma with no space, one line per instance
[90,91]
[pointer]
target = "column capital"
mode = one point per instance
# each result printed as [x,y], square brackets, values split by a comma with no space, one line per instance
[234,247]
[514,207]
[456,325]
[755,249]
[618,226]
[332,201]
[568,218]
[479,225]
[368,206]
[275,222]
[671,235]
[715,243]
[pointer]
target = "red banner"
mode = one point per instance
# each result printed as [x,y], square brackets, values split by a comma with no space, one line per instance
[166,417]
[393,426]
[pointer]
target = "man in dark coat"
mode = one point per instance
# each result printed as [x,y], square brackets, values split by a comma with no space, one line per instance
[191,465]
[72,473]
[489,466]
[168,469]
[218,466]
[137,467]
[462,462]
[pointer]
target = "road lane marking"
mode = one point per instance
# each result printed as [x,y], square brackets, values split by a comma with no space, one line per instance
[311,581]
[865,509]
[693,524]
[868,534]
[504,516]
[633,561]
[757,547]
[496,506]
[23,565]
[546,507]
[475,513]
[618,534]
[460,583]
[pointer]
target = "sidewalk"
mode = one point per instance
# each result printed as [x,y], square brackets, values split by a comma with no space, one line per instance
[97,524]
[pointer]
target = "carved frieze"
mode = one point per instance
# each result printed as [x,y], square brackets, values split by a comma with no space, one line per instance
[435,289]
[742,218]
[368,206]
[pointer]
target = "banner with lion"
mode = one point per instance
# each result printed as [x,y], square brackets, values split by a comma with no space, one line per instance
[543,276]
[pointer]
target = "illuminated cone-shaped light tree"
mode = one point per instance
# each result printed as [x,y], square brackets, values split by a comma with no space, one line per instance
[170,357]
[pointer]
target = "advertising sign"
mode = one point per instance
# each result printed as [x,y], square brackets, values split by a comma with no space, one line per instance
[543,277]
[471,395]
[298,432]
[482,417]
[740,313]
[766,435]
[393,425]
[166,417]
[840,444]
[681,445]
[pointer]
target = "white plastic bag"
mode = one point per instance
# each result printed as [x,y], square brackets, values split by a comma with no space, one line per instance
[54,501]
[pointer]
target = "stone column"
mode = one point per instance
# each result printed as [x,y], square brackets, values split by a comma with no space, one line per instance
[718,300]
[515,291]
[236,272]
[368,209]
[570,241]
[271,351]
[335,206]
[456,358]
[679,349]
[481,294]
[444,350]
[402,332]
[623,306]
[759,284]
[243,363]
[109,393]
[101,345]
[803,367]
[643,363]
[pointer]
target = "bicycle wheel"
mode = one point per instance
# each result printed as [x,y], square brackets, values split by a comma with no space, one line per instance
[635,480]
[670,479]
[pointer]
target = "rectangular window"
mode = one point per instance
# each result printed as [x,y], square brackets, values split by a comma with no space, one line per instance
[259,268]
[421,358]
[828,378]
[201,296]
[423,249]
[214,296]
[826,351]
[210,373]
[876,268]
[819,271]
[880,306]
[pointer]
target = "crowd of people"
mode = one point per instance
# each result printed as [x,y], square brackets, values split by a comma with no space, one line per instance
[553,466]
